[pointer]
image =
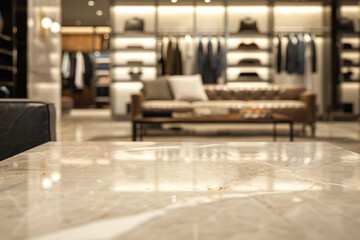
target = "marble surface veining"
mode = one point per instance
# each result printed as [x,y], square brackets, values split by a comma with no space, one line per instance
[88,191]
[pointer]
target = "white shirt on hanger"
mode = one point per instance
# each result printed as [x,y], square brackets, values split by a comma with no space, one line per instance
[79,71]
[65,65]
[308,81]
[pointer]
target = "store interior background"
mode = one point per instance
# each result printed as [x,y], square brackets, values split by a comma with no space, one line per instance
[99,111]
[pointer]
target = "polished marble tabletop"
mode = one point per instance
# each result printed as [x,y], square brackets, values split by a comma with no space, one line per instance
[197,191]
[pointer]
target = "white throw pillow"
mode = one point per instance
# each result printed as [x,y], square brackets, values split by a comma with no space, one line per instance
[187,88]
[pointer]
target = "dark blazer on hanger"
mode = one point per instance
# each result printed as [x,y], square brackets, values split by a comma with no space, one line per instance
[201,60]
[218,61]
[290,64]
[170,58]
[279,54]
[313,54]
[300,54]
[210,66]
[177,61]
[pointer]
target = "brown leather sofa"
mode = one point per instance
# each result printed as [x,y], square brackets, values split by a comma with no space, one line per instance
[295,102]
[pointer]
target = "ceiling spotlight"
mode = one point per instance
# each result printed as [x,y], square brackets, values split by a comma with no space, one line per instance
[46,22]
[91,3]
[207,1]
[99,13]
[174,1]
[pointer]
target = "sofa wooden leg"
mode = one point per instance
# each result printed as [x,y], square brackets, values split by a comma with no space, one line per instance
[313,129]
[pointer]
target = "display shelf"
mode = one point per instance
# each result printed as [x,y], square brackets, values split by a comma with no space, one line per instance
[102,61]
[267,50]
[102,72]
[250,35]
[7,68]
[249,66]
[349,34]
[6,52]
[351,50]
[133,65]
[7,83]
[104,99]
[115,35]
[131,50]
[5,37]
[102,85]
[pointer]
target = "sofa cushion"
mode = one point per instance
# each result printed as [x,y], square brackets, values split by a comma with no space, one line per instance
[294,109]
[231,105]
[157,90]
[187,88]
[290,93]
[176,106]
[225,92]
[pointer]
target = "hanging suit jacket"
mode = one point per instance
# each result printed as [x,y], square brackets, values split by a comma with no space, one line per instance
[300,55]
[162,60]
[279,49]
[210,66]
[177,61]
[88,70]
[290,65]
[201,61]
[170,59]
[218,61]
[313,54]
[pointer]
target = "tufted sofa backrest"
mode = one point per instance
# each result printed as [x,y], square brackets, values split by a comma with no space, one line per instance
[224,92]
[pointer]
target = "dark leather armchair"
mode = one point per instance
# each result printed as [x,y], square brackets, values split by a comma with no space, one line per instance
[25,124]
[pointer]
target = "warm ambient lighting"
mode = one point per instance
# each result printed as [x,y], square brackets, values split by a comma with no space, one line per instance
[46,22]
[99,13]
[208,1]
[171,10]
[137,9]
[91,3]
[210,10]
[248,9]
[174,1]
[298,9]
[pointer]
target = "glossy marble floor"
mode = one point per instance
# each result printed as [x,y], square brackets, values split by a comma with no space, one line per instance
[177,191]
[95,125]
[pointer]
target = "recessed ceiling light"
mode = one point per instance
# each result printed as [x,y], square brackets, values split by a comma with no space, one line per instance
[99,13]
[174,1]
[91,3]
[207,1]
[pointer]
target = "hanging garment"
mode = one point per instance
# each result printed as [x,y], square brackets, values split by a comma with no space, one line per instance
[300,55]
[313,54]
[278,67]
[177,61]
[65,65]
[170,58]
[308,81]
[201,60]
[79,71]
[210,66]
[1,23]
[88,70]
[162,60]
[218,61]
[290,65]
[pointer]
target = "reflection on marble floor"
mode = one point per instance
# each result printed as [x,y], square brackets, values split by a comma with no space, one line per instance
[96,125]
[208,190]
